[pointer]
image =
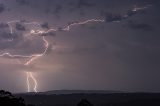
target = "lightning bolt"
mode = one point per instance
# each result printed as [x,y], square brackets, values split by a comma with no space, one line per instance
[32,57]
[28,85]
[46,43]
[140,8]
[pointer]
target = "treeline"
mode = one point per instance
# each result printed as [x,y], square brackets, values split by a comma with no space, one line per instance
[7,99]
[117,99]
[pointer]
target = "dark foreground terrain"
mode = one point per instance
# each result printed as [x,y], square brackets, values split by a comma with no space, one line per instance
[97,99]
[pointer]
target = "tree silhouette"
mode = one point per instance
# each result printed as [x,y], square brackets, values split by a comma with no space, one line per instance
[7,99]
[84,102]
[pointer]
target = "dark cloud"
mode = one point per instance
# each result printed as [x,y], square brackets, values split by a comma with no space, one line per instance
[60,29]
[45,25]
[134,12]
[3,25]
[5,35]
[6,40]
[109,17]
[48,6]
[20,27]
[80,6]
[53,7]
[57,9]
[52,34]
[139,26]
[82,12]
[2,7]
[130,13]
[84,3]
[49,34]
[22,2]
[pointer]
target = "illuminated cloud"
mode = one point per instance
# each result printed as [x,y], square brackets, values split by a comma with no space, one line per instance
[98,55]
[18,42]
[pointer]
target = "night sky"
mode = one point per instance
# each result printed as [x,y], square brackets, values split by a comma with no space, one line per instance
[122,53]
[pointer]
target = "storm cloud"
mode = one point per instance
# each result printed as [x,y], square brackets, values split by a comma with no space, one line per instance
[139,26]
[121,53]
[2,8]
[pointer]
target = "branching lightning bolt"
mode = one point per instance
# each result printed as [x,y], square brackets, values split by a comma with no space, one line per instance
[46,43]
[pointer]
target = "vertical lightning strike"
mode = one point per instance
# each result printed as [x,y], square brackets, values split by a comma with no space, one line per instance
[35,81]
[28,85]
[34,57]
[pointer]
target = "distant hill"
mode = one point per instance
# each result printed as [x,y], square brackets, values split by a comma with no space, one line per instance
[58,92]
[80,92]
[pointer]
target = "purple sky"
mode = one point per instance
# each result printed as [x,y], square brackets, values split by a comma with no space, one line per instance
[113,55]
